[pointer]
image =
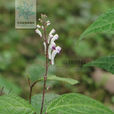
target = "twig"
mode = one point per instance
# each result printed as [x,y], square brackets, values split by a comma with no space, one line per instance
[31,88]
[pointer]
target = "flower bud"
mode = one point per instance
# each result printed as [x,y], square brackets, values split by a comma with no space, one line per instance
[38,26]
[38,32]
[48,23]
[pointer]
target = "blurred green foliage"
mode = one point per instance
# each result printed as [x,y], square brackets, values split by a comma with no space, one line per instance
[8,86]
[21,48]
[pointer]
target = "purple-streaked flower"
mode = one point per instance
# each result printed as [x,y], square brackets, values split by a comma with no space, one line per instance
[38,32]
[51,47]
[53,50]
[57,50]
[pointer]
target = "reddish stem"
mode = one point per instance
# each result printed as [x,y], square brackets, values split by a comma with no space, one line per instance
[46,71]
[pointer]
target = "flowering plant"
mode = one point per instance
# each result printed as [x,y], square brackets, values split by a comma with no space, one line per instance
[50,47]
[71,103]
[48,41]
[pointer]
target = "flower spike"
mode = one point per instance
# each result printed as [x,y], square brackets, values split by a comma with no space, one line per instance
[48,40]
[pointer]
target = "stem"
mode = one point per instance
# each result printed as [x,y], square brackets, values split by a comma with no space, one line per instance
[46,71]
[31,88]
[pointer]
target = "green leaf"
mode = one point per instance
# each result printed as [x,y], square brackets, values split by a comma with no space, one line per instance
[34,72]
[67,80]
[8,86]
[36,101]
[76,104]
[104,24]
[11,104]
[86,48]
[106,63]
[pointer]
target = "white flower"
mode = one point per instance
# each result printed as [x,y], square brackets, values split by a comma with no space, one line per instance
[52,46]
[51,35]
[38,32]
[55,37]
[38,26]
[48,23]
[57,50]
[52,32]
[49,38]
